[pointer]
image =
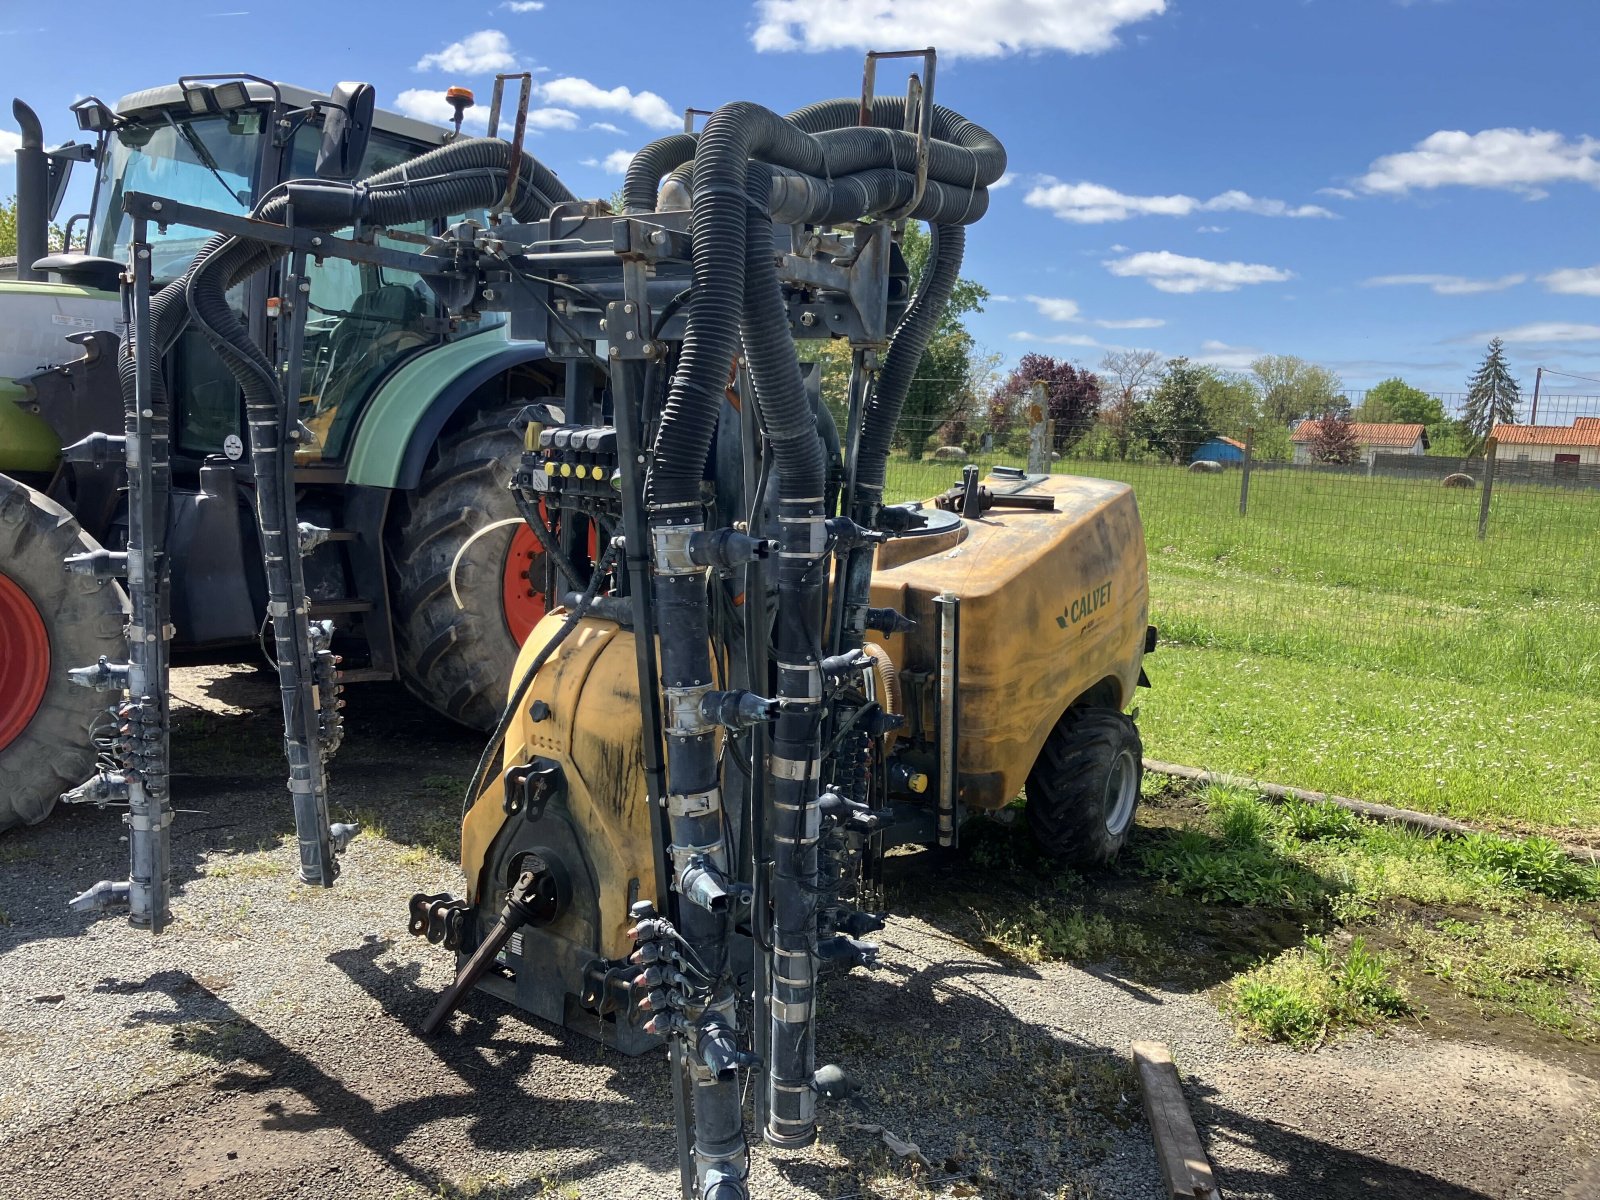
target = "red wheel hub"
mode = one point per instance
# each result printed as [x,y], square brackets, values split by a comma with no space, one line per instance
[24,660]
[522,601]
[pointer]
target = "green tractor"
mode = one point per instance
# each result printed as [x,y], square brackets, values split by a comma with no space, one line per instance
[404,459]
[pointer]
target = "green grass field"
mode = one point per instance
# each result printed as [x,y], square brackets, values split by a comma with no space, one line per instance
[1355,635]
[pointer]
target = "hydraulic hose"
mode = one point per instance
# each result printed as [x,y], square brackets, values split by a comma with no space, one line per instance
[910,342]
[795,760]
[640,186]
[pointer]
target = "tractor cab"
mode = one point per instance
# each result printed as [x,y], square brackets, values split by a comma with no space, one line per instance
[224,146]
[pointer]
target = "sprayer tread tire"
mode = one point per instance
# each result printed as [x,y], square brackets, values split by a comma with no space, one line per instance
[1073,809]
[457,660]
[83,619]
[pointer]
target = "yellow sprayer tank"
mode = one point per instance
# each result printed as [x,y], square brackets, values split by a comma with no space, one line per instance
[1054,607]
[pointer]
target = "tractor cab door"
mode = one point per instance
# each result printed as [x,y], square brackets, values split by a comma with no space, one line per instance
[364,319]
[211,160]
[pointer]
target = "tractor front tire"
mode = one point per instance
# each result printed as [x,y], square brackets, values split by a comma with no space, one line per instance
[50,622]
[1084,786]
[458,660]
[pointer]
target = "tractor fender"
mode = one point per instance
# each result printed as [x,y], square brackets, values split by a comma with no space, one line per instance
[405,416]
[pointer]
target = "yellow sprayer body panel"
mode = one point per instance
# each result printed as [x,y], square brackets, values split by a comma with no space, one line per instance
[590,690]
[1053,604]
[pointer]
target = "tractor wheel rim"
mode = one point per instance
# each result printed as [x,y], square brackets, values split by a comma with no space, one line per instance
[1122,790]
[25,665]
[521,601]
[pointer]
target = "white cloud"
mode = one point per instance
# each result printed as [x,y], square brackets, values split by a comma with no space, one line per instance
[615,163]
[1570,281]
[553,118]
[1169,272]
[1094,203]
[1055,309]
[1338,193]
[1448,285]
[9,142]
[476,54]
[427,104]
[606,127]
[1132,323]
[1516,160]
[644,107]
[1054,339]
[1221,354]
[1212,229]
[523,6]
[972,29]
[1006,179]
[1544,331]
[1002,299]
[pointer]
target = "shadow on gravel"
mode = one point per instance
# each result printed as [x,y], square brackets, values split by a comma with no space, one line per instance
[1000,896]
[402,768]
[1305,1167]
[472,1076]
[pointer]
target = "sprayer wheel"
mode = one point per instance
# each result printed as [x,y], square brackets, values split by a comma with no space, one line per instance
[50,622]
[1084,786]
[458,660]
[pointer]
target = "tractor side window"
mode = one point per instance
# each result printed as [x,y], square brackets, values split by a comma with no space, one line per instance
[363,320]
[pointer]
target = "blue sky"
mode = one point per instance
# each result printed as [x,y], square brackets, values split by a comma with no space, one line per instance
[1377,185]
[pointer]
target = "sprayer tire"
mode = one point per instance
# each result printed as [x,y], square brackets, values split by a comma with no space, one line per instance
[81,619]
[457,660]
[1084,786]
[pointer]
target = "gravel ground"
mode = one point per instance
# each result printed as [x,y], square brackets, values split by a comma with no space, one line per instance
[265,1045]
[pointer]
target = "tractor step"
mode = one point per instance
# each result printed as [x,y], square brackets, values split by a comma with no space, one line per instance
[365,675]
[333,608]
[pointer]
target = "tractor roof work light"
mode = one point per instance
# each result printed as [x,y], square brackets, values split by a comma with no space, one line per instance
[202,98]
[94,115]
[231,96]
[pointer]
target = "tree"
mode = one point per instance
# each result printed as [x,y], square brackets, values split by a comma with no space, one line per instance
[1130,370]
[1231,401]
[8,228]
[1492,395]
[1333,439]
[1072,397]
[1174,419]
[1394,401]
[1292,389]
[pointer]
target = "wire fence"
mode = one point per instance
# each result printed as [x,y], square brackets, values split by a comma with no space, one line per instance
[1418,549]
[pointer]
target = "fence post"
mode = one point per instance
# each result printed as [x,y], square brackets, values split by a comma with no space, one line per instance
[1038,431]
[1488,488]
[1244,474]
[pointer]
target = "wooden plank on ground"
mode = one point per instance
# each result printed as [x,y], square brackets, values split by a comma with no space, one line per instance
[1185,1170]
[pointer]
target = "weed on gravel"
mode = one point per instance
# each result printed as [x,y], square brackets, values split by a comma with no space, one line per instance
[1304,996]
[1542,965]
[1505,923]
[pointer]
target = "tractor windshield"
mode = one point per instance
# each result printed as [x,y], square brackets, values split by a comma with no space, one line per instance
[209,161]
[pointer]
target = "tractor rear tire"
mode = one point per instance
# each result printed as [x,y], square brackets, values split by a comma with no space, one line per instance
[458,660]
[50,622]
[1084,786]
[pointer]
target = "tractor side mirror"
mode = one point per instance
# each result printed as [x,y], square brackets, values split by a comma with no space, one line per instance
[346,129]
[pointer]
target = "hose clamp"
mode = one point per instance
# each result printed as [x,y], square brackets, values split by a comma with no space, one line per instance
[671,544]
[684,715]
[695,804]
[799,681]
[797,769]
